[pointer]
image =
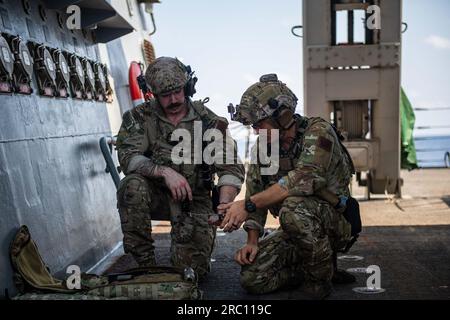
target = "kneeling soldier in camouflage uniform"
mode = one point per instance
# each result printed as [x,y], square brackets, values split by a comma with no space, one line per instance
[155,185]
[313,166]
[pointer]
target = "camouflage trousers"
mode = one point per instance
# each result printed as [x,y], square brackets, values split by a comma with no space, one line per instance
[300,250]
[192,238]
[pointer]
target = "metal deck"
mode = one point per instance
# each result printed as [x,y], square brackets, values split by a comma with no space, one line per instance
[408,239]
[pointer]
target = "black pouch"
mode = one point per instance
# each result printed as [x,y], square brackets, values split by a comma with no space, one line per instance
[353,216]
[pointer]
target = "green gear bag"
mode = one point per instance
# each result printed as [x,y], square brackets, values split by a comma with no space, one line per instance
[30,272]
[149,283]
[35,282]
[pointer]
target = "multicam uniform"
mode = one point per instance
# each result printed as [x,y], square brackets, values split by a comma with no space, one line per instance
[145,135]
[302,248]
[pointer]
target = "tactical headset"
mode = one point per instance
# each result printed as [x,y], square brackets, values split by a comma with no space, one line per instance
[283,116]
[189,87]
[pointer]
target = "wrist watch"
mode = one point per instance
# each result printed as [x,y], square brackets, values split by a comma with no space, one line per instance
[250,206]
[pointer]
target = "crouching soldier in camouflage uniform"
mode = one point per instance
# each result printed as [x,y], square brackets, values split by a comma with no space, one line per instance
[155,185]
[313,166]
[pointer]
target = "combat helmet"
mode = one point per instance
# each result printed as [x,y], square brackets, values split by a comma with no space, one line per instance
[268,98]
[166,74]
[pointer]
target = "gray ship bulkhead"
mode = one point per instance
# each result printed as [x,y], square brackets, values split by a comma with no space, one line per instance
[52,173]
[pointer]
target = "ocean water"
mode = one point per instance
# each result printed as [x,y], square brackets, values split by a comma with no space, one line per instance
[431,150]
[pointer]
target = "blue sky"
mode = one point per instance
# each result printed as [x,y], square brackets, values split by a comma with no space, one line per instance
[231,43]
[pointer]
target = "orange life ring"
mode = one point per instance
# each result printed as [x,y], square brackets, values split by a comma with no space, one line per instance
[137,97]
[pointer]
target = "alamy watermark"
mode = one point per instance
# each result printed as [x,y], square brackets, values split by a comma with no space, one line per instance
[222,150]
[374,280]
[74,19]
[374,21]
[74,280]
[73,22]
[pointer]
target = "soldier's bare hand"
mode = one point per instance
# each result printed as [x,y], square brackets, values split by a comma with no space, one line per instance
[177,184]
[234,217]
[246,255]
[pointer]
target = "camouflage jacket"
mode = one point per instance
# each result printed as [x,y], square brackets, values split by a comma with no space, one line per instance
[316,160]
[145,135]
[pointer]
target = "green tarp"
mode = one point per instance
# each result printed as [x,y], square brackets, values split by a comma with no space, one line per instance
[408,149]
